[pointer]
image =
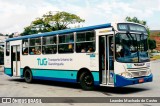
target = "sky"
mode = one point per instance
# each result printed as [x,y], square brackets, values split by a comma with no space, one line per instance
[17,14]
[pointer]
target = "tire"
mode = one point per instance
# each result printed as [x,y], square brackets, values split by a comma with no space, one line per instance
[86,81]
[28,76]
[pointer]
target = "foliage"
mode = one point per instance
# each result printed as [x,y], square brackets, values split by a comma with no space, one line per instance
[152,44]
[51,22]
[9,35]
[136,20]
[1,34]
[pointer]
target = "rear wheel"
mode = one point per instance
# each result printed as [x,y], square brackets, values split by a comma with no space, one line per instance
[86,81]
[28,76]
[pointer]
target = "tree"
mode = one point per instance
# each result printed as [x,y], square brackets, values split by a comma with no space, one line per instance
[51,22]
[152,43]
[136,20]
[1,34]
[9,35]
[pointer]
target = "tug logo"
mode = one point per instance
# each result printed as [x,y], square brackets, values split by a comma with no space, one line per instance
[42,62]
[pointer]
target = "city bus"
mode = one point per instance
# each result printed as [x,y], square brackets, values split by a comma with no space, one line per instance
[111,54]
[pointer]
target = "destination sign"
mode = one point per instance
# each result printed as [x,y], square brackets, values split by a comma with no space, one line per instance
[131,27]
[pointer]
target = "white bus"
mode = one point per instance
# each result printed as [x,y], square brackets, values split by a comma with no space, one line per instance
[112,54]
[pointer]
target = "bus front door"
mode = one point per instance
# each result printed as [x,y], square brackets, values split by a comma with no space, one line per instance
[106,60]
[15,60]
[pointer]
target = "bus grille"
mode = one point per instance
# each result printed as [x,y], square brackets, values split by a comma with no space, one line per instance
[139,73]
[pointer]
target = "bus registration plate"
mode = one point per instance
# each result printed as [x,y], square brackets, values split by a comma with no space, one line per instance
[141,80]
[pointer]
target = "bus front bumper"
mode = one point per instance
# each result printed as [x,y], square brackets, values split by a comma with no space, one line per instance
[122,81]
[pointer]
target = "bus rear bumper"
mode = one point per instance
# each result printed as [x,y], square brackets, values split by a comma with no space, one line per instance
[122,81]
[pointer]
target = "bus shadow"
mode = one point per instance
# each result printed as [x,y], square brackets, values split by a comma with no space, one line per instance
[58,84]
[51,83]
[119,90]
[104,90]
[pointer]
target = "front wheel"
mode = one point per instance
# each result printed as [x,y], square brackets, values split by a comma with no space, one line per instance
[28,76]
[86,81]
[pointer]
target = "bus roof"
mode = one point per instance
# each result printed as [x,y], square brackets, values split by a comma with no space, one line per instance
[61,32]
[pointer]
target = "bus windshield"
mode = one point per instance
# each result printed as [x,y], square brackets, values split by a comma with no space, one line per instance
[131,48]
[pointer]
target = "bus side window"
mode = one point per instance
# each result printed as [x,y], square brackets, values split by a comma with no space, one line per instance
[25,51]
[7,48]
[66,43]
[85,42]
[35,46]
[49,45]
[25,46]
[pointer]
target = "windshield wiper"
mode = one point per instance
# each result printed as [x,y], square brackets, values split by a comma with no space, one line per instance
[143,42]
[130,37]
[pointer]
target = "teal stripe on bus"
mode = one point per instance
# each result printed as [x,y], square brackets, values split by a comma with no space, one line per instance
[21,72]
[95,75]
[68,74]
[8,71]
[55,73]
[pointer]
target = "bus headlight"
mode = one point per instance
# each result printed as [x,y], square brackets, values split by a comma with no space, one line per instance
[149,72]
[126,75]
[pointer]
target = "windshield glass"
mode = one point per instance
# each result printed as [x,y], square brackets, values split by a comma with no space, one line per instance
[131,48]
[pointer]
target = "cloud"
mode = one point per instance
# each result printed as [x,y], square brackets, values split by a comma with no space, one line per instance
[17,14]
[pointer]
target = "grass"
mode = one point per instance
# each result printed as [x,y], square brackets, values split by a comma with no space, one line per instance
[156,57]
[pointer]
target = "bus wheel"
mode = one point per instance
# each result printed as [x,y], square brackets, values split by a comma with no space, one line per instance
[86,81]
[28,76]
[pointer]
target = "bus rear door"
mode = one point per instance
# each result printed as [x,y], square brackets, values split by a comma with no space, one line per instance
[15,60]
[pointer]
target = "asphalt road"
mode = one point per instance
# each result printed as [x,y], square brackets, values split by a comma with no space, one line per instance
[16,87]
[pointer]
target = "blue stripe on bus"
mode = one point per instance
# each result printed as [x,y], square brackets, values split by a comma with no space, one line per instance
[55,79]
[8,71]
[62,32]
[61,79]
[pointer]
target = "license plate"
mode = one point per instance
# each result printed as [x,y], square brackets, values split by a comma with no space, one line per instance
[141,80]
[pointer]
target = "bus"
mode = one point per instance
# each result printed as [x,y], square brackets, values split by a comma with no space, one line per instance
[111,54]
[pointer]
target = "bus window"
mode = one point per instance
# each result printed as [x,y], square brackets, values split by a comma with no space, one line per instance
[7,48]
[25,46]
[66,43]
[1,55]
[85,42]
[49,45]
[35,46]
